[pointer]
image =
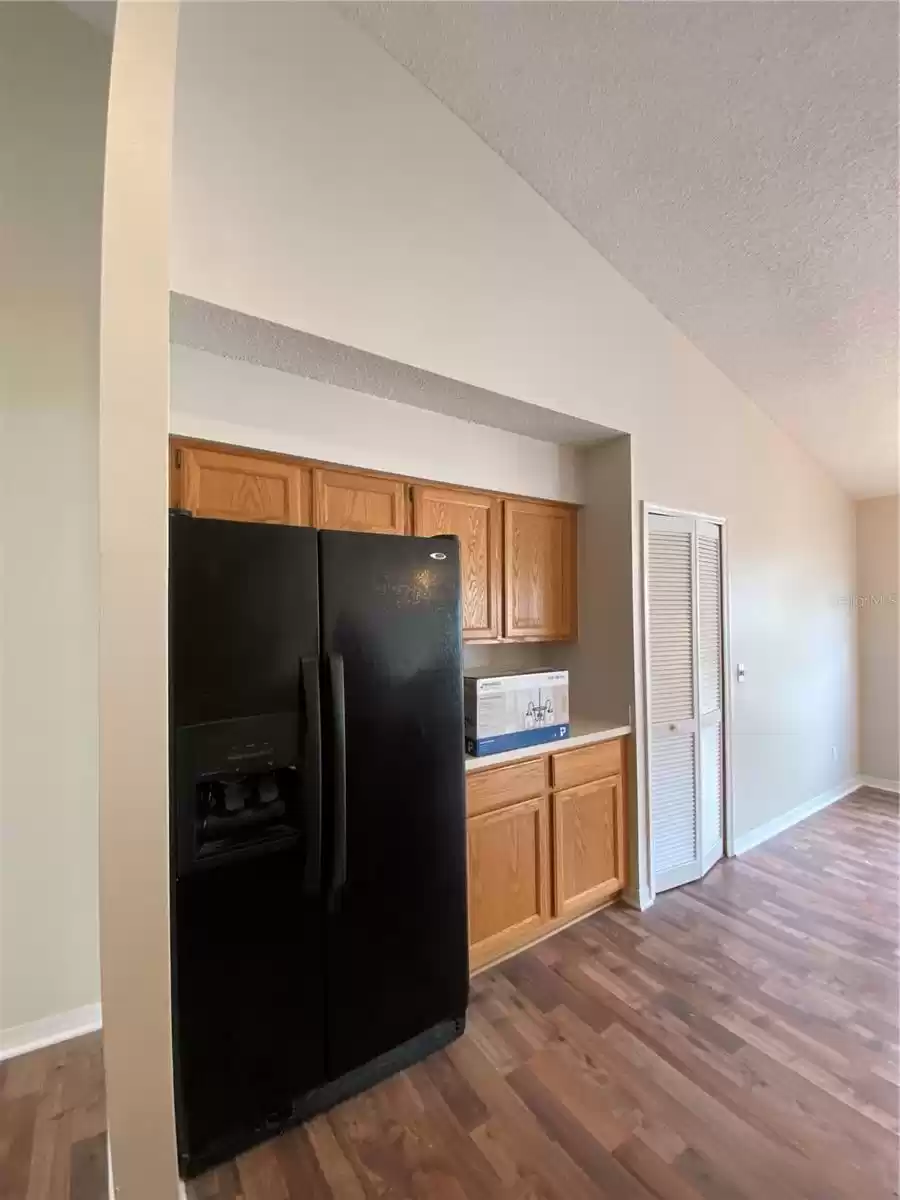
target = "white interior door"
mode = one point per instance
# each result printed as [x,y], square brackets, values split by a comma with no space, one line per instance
[685,695]
[674,777]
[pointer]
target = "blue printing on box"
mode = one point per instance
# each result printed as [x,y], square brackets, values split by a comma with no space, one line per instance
[512,741]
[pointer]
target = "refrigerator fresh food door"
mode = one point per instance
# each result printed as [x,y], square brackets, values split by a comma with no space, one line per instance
[395,864]
[247,913]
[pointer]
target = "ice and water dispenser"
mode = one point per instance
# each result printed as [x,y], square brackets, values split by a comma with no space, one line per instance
[238,789]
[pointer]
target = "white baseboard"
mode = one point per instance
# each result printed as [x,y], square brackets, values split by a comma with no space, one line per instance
[762,833]
[637,898]
[20,1039]
[882,785]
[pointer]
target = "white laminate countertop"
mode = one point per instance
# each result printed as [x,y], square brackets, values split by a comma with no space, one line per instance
[582,733]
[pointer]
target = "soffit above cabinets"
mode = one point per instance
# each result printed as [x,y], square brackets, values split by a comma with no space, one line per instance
[203,326]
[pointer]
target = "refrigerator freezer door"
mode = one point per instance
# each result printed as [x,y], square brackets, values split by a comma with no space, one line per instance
[243,602]
[243,676]
[248,1004]
[396,949]
[248,923]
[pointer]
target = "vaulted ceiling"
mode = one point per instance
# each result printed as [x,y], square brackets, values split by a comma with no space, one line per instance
[737,162]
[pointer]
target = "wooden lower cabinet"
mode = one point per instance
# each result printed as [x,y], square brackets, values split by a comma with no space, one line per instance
[509,878]
[537,862]
[588,846]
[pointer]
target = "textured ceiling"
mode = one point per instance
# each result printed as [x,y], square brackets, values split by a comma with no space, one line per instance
[737,162]
[205,326]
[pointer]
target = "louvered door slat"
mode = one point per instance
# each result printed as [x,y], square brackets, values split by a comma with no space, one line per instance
[709,585]
[669,587]
[712,782]
[674,804]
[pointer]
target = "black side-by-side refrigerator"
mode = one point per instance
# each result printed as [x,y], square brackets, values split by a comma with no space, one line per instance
[317,789]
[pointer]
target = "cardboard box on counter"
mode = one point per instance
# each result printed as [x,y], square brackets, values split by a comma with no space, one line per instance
[506,710]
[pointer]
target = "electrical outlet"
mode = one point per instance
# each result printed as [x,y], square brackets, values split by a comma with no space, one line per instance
[834,755]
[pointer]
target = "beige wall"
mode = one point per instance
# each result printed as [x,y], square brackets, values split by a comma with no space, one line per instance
[318,186]
[601,664]
[54,78]
[878,615]
[134,770]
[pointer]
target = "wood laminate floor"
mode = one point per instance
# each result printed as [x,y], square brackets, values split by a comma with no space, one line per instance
[53,1123]
[738,1041]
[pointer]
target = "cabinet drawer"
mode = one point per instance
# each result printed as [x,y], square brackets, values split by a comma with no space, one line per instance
[573,767]
[495,787]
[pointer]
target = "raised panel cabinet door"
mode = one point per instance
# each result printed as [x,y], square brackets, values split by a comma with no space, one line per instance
[540,570]
[588,845]
[237,486]
[509,878]
[358,502]
[476,521]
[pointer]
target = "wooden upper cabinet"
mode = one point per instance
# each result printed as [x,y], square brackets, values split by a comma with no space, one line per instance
[588,845]
[509,878]
[517,557]
[477,522]
[357,501]
[235,485]
[540,570]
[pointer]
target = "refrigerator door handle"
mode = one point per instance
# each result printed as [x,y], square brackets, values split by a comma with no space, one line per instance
[312,775]
[339,745]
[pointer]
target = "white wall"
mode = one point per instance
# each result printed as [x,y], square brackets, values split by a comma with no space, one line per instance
[876,600]
[319,186]
[226,400]
[54,78]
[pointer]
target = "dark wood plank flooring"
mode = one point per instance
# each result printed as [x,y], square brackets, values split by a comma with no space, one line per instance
[738,1041]
[53,1123]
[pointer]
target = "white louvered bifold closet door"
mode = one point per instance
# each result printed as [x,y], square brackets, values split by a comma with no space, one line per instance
[674,823]
[685,688]
[709,622]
